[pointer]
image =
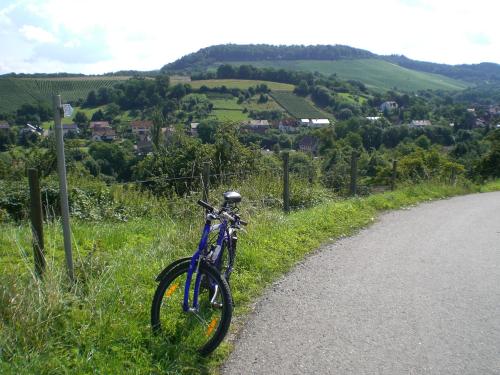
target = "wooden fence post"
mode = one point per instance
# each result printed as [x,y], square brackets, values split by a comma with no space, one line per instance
[394,174]
[63,186]
[286,183]
[36,221]
[354,173]
[206,180]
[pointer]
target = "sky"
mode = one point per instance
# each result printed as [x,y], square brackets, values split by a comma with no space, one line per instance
[100,36]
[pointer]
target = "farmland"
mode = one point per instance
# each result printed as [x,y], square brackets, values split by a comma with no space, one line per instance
[226,107]
[240,84]
[377,74]
[298,107]
[14,92]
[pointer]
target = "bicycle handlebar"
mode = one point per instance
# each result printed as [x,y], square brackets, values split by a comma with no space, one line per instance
[206,206]
[213,209]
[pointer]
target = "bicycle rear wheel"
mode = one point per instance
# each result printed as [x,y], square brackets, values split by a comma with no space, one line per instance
[203,329]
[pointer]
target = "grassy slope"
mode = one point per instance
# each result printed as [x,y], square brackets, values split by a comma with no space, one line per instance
[240,84]
[375,73]
[103,324]
[15,92]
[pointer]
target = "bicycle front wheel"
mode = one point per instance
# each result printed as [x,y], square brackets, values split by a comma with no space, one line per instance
[202,329]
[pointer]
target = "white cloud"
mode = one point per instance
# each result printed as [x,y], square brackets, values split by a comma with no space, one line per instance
[112,35]
[37,34]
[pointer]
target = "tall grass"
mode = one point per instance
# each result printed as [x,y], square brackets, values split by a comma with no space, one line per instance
[101,323]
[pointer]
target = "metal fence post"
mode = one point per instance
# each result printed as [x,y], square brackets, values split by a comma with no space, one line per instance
[63,186]
[286,183]
[206,180]
[36,221]
[394,174]
[354,173]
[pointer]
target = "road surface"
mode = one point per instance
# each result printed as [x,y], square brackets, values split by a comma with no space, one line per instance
[416,293]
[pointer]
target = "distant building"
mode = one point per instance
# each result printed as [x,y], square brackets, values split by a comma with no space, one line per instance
[494,110]
[420,123]
[480,123]
[4,126]
[319,123]
[388,106]
[304,122]
[309,144]
[69,128]
[288,125]
[258,126]
[141,129]
[103,134]
[373,118]
[94,125]
[194,129]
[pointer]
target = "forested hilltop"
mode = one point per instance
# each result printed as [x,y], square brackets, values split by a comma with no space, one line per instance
[205,57]
[254,52]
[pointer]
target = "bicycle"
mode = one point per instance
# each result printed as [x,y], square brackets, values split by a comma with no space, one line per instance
[199,315]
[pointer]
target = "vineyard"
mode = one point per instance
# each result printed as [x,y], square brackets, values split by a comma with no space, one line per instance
[297,107]
[14,92]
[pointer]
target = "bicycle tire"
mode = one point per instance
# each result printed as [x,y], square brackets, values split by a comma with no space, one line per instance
[202,330]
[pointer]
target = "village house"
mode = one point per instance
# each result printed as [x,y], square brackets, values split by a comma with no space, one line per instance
[194,129]
[4,126]
[494,110]
[141,129]
[319,123]
[288,125]
[69,128]
[309,144]
[388,106]
[373,118]
[419,123]
[104,134]
[257,126]
[315,122]
[480,123]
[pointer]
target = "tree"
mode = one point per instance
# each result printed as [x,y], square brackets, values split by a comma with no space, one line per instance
[423,142]
[302,89]
[81,119]
[156,133]
[98,116]
[91,99]
[206,131]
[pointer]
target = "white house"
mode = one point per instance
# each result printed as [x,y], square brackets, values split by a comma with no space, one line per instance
[319,123]
[420,123]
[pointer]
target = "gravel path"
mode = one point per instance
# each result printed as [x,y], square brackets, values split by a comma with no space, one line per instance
[416,293]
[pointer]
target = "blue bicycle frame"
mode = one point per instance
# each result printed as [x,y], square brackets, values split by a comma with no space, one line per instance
[196,259]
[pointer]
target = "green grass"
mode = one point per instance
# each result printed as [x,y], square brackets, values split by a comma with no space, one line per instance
[297,106]
[229,115]
[227,108]
[240,84]
[375,73]
[101,325]
[14,92]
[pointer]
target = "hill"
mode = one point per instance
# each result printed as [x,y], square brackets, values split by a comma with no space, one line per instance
[321,58]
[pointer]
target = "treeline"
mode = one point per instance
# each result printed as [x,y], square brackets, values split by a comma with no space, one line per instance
[254,52]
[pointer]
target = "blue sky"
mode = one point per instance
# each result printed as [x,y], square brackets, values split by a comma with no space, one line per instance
[98,36]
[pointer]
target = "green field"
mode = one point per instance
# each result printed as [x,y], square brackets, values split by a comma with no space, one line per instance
[14,92]
[240,84]
[227,108]
[377,74]
[297,106]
